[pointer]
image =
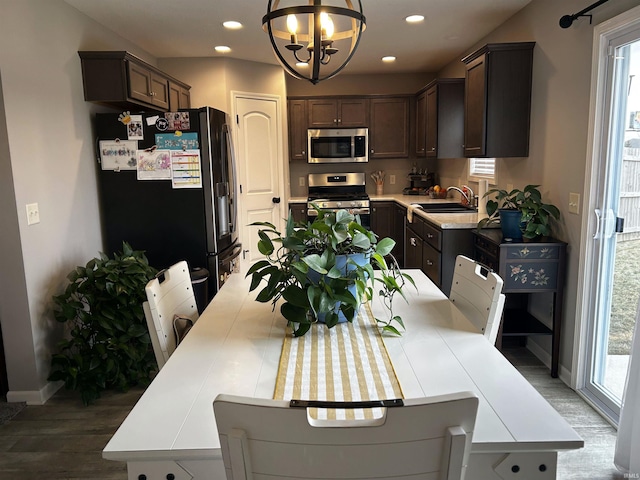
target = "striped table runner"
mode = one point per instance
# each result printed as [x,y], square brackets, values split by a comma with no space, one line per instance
[348,362]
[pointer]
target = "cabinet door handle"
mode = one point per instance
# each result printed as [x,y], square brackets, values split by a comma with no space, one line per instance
[429,235]
[413,242]
[303,152]
[372,150]
[429,263]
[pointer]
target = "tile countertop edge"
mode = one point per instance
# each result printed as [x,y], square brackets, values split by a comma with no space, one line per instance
[444,221]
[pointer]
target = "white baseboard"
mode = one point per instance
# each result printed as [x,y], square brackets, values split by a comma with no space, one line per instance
[34,397]
[545,357]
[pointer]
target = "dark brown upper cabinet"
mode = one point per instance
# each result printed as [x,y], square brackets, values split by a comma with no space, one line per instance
[179,96]
[497,103]
[121,80]
[389,127]
[338,112]
[421,123]
[444,118]
[297,112]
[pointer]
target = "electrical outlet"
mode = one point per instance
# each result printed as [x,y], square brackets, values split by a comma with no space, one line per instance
[392,179]
[33,214]
[301,181]
[574,203]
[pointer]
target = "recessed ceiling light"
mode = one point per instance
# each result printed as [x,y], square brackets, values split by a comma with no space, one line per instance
[222,49]
[414,18]
[389,58]
[232,25]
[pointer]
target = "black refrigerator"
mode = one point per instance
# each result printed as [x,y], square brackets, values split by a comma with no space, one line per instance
[167,186]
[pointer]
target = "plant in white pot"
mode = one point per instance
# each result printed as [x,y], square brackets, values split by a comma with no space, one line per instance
[322,270]
[522,213]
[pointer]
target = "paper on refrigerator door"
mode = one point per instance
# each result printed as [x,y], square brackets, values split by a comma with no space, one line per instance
[154,165]
[186,169]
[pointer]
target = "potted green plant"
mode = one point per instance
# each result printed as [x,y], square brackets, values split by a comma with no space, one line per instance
[521,213]
[322,270]
[108,344]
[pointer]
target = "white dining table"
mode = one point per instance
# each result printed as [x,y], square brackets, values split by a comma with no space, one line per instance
[235,348]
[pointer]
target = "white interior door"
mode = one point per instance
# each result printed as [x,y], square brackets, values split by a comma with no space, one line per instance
[613,248]
[260,168]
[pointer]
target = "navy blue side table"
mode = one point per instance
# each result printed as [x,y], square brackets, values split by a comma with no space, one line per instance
[526,268]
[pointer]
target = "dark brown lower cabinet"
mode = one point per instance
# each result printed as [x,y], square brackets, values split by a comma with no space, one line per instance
[299,211]
[387,220]
[434,250]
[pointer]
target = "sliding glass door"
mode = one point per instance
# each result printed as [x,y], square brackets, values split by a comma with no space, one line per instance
[615,247]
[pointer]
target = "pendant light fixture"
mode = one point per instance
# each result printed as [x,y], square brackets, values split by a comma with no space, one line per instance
[316,41]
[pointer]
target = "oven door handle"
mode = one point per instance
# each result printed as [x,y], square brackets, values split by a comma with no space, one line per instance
[359,211]
[312,212]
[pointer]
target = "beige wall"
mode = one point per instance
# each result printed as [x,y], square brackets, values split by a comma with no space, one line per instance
[360,84]
[559,124]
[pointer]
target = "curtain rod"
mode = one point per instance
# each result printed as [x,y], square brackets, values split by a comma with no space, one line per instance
[567,20]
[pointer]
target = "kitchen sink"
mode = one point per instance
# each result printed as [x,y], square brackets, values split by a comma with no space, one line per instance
[450,207]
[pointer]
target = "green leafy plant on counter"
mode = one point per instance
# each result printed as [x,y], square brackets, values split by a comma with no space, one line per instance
[108,344]
[536,215]
[323,269]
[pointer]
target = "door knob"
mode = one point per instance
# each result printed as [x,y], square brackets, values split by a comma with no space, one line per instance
[275,199]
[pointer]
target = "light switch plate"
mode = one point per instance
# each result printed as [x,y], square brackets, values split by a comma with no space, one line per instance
[33,214]
[301,181]
[392,179]
[574,203]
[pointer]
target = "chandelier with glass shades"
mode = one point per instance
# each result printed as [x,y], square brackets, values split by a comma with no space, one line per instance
[309,40]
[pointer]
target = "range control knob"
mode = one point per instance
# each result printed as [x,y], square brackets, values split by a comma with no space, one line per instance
[338,204]
[354,204]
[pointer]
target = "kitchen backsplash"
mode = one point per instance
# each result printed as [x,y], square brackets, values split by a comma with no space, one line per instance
[298,172]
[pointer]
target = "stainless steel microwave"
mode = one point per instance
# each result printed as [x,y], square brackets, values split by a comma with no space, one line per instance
[338,145]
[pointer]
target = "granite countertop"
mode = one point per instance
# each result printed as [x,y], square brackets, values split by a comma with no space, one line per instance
[441,220]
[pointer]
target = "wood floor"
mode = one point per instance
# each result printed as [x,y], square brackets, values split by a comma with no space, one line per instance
[64,440]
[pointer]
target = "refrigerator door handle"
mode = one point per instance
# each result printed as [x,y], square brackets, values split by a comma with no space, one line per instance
[232,180]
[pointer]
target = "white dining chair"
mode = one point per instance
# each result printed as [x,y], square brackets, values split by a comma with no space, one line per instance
[170,303]
[424,438]
[477,293]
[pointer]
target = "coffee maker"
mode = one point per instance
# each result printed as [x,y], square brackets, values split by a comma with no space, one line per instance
[419,183]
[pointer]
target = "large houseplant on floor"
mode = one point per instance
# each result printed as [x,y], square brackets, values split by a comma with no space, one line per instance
[323,270]
[522,213]
[107,344]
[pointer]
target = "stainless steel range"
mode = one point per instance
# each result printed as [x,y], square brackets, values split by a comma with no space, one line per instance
[334,191]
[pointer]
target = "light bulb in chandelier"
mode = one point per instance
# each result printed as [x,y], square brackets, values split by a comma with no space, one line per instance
[292,27]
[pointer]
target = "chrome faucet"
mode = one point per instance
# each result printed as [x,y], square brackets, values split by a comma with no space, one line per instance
[468,197]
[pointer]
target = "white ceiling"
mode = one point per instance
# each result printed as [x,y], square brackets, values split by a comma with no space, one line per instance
[191,28]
